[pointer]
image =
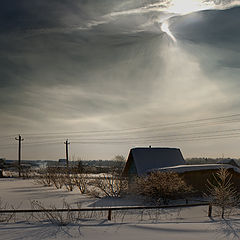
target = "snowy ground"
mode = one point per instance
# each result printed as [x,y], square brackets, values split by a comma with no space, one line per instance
[189,223]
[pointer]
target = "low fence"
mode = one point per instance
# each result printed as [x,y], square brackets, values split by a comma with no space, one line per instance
[110,209]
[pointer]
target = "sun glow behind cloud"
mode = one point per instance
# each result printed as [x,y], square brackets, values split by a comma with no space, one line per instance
[164,28]
[188,6]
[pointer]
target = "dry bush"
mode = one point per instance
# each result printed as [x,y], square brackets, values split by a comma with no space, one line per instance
[68,182]
[222,192]
[57,218]
[162,186]
[45,176]
[81,181]
[5,217]
[110,186]
[27,172]
[56,177]
[51,176]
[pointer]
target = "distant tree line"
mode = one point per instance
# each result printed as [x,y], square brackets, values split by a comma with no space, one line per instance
[202,160]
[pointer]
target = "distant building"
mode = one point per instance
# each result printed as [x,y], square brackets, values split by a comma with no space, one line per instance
[62,161]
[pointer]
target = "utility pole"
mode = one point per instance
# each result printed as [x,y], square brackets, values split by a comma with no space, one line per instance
[19,139]
[67,143]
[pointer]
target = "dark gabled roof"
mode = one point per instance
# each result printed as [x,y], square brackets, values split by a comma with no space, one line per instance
[145,159]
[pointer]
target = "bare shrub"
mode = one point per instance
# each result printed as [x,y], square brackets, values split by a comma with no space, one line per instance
[68,181]
[27,172]
[56,177]
[110,185]
[118,165]
[222,192]
[162,186]
[5,217]
[44,177]
[55,217]
[81,181]
[51,176]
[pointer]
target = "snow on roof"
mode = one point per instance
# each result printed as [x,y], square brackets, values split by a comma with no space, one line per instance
[228,161]
[149,158]
[199,167]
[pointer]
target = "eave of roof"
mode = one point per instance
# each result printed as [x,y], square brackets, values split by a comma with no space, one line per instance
[197,167]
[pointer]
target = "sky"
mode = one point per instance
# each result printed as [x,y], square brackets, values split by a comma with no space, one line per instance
[112,75]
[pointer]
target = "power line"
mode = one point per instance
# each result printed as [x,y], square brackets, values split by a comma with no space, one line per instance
[175,124]
[142,140]
[179,137]
[125,136]
[103,138]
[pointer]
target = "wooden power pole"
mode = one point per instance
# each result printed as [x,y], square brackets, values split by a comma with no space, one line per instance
[67,143]
[19,139]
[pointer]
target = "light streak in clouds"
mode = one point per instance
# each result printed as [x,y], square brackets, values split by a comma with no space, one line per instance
[164,28]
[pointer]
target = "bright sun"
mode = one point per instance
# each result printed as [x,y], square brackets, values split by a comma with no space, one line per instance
[187,6]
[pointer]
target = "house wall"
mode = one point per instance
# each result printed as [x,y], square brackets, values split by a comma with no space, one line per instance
[199,180]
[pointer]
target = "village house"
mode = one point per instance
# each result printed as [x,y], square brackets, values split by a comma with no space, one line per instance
[143,161]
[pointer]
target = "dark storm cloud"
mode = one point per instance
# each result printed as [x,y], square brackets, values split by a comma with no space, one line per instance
[45,55]
[214,34]
[34,14]
[210,26]
[46,40]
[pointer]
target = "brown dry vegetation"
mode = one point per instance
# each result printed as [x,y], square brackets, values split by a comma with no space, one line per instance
[162,186]
[222,192]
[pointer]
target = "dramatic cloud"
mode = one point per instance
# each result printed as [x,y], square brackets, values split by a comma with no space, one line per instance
[77,66]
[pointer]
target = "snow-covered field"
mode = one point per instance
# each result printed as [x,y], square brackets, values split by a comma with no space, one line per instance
[189,223]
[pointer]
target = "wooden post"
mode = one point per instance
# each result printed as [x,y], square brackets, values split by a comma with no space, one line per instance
[19,139]
[210,210]
[109,214]
[67,143]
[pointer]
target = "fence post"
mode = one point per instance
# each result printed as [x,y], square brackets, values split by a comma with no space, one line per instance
[109,214]
[210,210]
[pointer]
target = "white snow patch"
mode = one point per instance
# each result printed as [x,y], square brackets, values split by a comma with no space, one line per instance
[197,167]
[189,223]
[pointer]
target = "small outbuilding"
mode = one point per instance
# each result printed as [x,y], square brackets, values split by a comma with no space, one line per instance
[198,176]
[141,160]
